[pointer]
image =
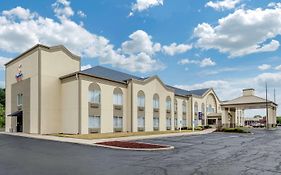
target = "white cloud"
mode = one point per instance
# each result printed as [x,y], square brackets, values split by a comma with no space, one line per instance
[87,66]
[264,67]
[133,56]
[272,79]
[207,62]
[139,42]
[176,49]
[242,32]
[142,5]
[81,14]
[202,63]
[3,61]
[218,71]
[62,9]
[223,4]
[278,67]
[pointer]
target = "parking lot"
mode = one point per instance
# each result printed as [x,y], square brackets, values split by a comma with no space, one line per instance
[216,153]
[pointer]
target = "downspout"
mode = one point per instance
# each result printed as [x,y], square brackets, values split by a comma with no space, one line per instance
[132,106]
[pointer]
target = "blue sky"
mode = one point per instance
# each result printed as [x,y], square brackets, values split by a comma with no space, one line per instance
[226,44]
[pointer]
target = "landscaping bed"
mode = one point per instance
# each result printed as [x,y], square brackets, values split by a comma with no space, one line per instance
[132,145]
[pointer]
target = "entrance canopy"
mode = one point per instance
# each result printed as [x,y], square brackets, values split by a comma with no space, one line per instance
[16,114]
[233,110]
[248,101]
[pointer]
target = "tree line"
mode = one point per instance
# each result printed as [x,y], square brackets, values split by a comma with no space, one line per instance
[2,107]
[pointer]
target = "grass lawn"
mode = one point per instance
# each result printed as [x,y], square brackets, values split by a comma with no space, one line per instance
[116,134]
[236,130]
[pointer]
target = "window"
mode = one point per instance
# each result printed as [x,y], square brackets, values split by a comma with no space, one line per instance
[168,104]
[155,122]
[184,124]
[117,99]
[195,107]
[176,106]
[141,99]
[94,93]
[210,109]
[94,96]
[155,102]
[118,122]
[19,99]
[176,122]
[141,122]
[184,107]
[168,123]
[94,122]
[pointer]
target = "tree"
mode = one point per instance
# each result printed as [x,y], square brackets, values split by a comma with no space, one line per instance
[2,116]
[278,120]
[2,97]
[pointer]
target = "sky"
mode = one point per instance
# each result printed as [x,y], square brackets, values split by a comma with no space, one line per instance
[224,44]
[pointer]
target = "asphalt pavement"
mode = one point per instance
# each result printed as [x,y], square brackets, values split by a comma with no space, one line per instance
[215,153]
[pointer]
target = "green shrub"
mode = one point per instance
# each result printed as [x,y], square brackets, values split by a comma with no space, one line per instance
[207,127]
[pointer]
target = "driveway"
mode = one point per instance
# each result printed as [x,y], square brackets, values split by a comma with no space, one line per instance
[215,153]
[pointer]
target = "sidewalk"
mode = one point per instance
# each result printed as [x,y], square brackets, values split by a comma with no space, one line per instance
[92,142]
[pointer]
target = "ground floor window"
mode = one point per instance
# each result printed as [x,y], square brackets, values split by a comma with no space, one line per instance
[117,123]
[184,124]
[176,123]
[94,123]
[141,123]
[168,123]
[155,123]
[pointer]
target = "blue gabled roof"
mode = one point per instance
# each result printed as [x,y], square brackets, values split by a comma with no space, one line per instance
[114,75]
[107,73]
[199,92]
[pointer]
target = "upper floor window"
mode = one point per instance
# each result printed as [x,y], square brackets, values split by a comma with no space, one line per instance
[117,97]
[195,107]
[210,109]
[19,99]
[155,101]
[176,106]
[141,99]
[94,93]
[168,103]
[184,107]
[203,108]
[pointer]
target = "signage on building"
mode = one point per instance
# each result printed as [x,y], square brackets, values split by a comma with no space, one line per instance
[200,115]
[19,74]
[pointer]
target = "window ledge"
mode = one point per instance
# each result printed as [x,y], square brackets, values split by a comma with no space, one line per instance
[94,105]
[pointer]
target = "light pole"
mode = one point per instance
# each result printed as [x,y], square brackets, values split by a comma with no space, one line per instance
[266,104]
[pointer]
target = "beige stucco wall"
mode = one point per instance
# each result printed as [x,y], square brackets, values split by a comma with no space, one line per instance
[29,69]
[208,98]
[180,101]
[107,89]
[150,87]
[70,107]
[53,65]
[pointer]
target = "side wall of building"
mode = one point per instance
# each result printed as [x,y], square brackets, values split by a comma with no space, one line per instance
[54,64]
[28,64]
[150,88]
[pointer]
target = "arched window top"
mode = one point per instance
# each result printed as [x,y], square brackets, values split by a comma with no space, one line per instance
[196,107]
[141,99]
[117,96]
[155,101]
[203,107]
[184,107]
[94,86]
[94,93]
[168,103]
[117,91]
[211,103]
[141,93]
